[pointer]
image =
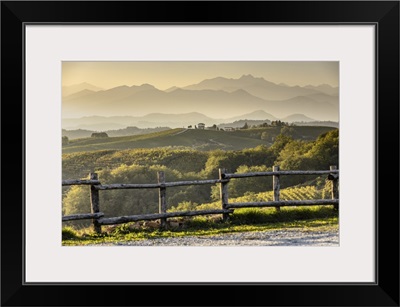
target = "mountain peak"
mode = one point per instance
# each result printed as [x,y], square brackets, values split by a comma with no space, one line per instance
[75,88]
[147,85]
[255,115]
[297,117]
[142,87]
[249,76]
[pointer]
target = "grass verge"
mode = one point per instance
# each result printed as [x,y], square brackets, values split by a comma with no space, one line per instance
[316,218]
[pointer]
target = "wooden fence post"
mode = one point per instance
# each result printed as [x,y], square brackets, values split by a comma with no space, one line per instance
[95,203]
[276,186]
[223,192]
[162,197]
[334,191]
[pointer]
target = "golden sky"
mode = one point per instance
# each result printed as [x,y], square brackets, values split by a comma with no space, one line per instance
[164,75]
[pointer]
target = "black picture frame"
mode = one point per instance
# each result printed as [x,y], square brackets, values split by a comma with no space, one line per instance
[383,14]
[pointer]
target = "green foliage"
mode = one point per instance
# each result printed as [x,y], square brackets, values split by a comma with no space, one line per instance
[261,215]
[326,150]
[231,160]
[77,200]
[279,143]
[245,126]
[79,165]
[289,131]
[137,201]
[121,229]
[184,206]
[240,186]
[68,233]
[306,155]
[65,140]
[99,135]
[265,136]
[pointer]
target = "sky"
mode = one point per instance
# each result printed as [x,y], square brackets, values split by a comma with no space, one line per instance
[164,75]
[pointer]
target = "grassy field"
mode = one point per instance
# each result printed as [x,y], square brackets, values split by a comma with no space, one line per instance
[192,138]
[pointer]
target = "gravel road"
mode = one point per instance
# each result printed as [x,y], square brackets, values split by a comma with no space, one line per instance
[288,237]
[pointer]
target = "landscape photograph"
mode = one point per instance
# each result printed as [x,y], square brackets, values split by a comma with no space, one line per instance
[206,153]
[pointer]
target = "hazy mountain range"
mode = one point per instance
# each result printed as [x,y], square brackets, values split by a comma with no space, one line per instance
[166,121]
[69,90]
[156,120]
[217,98]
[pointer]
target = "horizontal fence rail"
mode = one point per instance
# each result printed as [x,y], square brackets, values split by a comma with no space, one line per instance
[284,203]
[85,216]
[98,218]
[80,182]
[121,186]
[156,216]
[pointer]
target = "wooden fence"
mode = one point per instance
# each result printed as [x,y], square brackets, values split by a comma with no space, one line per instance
[98,218]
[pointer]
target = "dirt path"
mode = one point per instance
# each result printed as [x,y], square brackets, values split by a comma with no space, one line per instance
[288,237]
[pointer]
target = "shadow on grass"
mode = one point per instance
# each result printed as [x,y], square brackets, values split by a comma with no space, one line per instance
[246,219]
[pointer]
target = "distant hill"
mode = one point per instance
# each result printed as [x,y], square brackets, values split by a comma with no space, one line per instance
[240,123]
[113,94]
[172,88]
[152,120]
[86,121]
[81,133]
[77,134]
[297,118]
[318,124]
[72,89]
[198,139]
[181,119]
[256,115]
[80,95]
[157,120]
[324,88]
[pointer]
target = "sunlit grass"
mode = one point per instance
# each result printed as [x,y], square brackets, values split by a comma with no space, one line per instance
[316,218]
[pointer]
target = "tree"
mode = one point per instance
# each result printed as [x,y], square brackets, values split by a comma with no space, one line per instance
[99,135]
[279,143]
[65,140]
[245,126]
[326,150]
[266,136]
[289,131]
[310,155]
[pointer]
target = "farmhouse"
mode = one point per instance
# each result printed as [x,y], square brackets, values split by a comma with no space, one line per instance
[200,126]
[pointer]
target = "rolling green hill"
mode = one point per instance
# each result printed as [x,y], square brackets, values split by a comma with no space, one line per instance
[197,139]
[141,165]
